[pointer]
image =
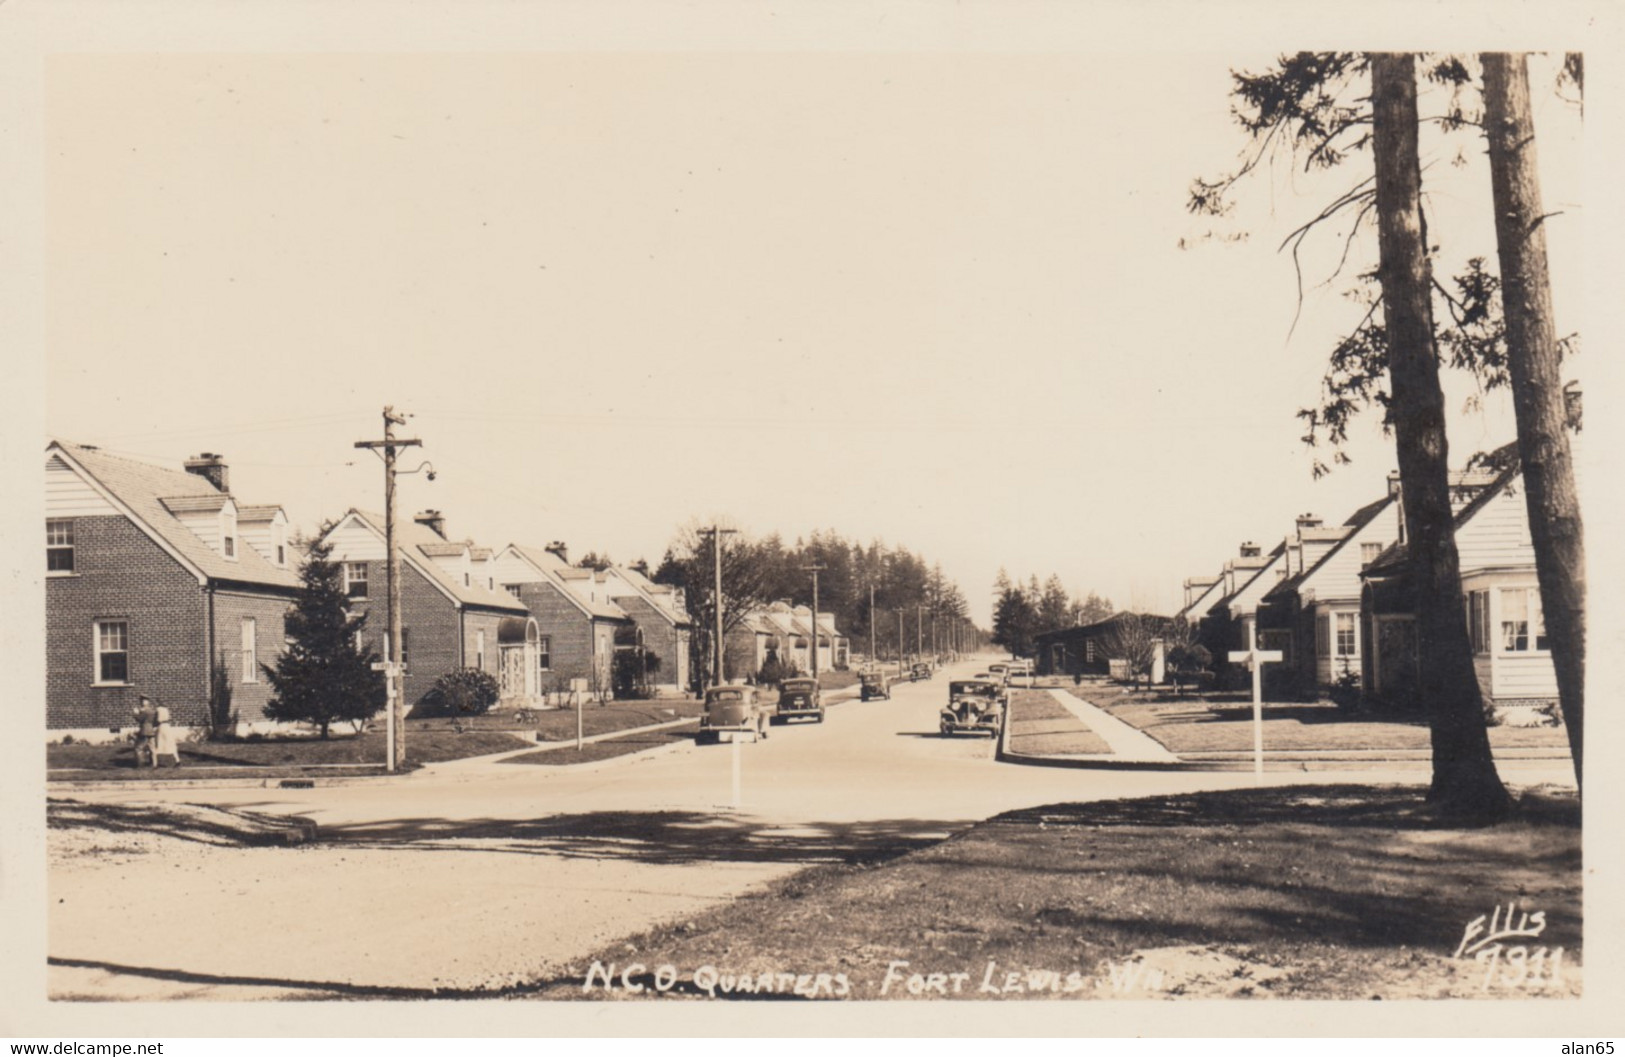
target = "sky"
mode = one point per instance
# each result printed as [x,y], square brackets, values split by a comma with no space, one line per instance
[951,300]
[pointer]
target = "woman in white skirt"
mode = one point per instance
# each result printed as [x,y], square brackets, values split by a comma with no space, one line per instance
[167,744]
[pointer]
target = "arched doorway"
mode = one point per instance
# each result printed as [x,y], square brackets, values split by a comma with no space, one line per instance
[518,639]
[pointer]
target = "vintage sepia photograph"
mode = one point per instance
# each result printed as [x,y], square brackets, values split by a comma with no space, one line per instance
[810,527]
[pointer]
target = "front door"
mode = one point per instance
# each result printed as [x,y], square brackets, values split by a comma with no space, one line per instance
[1394,672]
[513,671]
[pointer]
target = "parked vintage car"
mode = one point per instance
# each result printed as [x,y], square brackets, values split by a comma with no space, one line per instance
[1020,673]
[734,711]
[999,671]
[799,697]
[874,684]
[975,705]
[921,670]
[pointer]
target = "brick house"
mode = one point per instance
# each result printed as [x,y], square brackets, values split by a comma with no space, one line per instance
[661,620]
[1501,601]
[1088,648]
[578,622]
[152,574]
[453,614]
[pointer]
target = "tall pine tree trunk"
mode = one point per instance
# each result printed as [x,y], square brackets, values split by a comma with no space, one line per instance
[1465,781]
[1537,385]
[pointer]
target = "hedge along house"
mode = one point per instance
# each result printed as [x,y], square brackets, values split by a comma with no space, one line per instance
[153,576]
[578,628]
[661,622]
[1312,615]
[453,615]
[1501,601]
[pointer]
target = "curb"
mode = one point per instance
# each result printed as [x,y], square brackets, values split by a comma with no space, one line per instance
[1224,762]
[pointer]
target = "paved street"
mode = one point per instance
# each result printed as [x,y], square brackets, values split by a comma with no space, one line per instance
[484,876]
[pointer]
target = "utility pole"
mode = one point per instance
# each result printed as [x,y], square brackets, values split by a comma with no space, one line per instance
[395,727]
[716,532]
[919,630]
[815,568]
[873,657]
[899,640]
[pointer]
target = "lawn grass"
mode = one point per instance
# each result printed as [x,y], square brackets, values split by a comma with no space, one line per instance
[1222,722]
[1041,727]
[273,757]
[559,724]
[1323,892]
[603,750]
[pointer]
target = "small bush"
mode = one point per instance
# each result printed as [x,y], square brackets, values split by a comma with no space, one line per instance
[1345,692]
[775,671]
[67,739]
[462,692]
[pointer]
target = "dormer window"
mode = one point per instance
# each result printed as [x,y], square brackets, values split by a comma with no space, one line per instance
[279,544]
[228,532]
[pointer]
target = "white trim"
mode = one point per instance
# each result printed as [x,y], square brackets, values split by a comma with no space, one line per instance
[117,504]
[405,552]
[248,641]
[96,651]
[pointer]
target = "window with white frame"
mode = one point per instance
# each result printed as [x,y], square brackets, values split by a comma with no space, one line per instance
[355,579]
[112,639]
[513,589]
[544,653]
[1478,620]
[1523,625]
[1368,553]
[251,662]
[1348,643]
[228,532]
[59,545]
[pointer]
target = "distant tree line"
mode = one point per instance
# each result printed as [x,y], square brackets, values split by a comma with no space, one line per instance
[906,589]
[1023,612]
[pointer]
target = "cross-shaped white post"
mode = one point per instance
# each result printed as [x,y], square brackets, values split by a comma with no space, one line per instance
[1255,659]
[391,670]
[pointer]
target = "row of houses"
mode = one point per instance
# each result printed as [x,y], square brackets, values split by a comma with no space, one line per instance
[158,577]
[1338,601]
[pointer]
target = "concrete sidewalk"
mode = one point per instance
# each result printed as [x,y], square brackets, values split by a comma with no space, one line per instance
[1128,745]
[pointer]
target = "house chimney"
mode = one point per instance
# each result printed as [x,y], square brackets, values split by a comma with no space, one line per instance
[1393,484]
[211,468]
[559,550]
[1308,521]
[1250,550]
[434,520]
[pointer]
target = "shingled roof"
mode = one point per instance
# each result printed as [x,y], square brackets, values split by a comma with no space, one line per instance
[151,494]
[420,543]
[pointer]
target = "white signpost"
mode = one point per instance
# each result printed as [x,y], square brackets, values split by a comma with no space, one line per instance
[1255,659]
[390,670]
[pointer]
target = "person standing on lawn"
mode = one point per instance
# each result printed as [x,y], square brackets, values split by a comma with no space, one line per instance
[166,744]
[146,732]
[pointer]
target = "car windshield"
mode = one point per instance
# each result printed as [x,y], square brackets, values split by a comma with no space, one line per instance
[972,688]
[727,696]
